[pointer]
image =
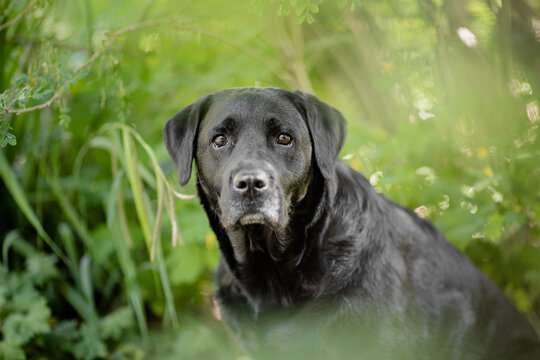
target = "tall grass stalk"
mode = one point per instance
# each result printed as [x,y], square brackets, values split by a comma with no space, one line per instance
[117,222]
[124,160]
[146,220]
[11,183]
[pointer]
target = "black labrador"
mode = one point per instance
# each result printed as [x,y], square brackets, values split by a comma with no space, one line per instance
[315,263]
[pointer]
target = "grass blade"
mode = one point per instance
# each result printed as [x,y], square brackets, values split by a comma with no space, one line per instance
[69,210]
[85,310]
[116,220]
[146,218]
[86,280]
[69,244]
[156,249]
[10,239]
[21,199]
[135,182]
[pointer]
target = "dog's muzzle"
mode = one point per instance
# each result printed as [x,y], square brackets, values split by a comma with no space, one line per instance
[251,196]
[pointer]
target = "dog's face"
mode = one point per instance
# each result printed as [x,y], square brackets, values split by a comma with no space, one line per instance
[254,157]
[256,151]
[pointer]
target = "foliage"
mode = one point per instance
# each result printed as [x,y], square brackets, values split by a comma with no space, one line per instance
[443,110]
[28,327]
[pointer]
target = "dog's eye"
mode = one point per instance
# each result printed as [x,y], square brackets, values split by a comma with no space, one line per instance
[219,140]
[284,139]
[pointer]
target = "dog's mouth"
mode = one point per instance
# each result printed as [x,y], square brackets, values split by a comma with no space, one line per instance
[255,224]
[240,212]
[269,217]
[252,219]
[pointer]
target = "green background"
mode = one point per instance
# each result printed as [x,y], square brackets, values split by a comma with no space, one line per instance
[441,99]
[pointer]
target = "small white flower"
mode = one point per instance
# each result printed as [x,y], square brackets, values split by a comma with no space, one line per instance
[424,115]
[532,112]
[374,178]
[467,36]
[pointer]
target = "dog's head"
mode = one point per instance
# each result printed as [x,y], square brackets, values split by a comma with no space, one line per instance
[256,151]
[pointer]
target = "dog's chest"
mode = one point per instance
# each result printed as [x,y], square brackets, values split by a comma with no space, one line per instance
[267,284]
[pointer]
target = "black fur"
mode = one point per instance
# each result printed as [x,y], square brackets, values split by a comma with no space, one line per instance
[330,268]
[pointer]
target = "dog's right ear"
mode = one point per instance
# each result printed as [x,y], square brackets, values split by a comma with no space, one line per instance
[180,135]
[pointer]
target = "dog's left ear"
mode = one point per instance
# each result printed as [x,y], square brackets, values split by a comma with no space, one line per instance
[180,134]
[327,126]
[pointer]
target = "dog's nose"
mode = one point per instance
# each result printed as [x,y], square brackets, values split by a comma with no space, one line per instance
[250,181]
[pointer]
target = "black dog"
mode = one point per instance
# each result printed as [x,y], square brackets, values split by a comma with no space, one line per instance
[314,262]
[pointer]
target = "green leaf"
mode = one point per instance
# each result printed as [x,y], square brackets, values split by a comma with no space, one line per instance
[19,328]
[300,8]
[65,119]
[41,267]
[64,335]
[285,8]
[6,137]
[23,293]
[4,98]
[90,346]
[115,323]
[11,351]
[310,19]
[300,19]
[20,80]
[11,140]
[314,8]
